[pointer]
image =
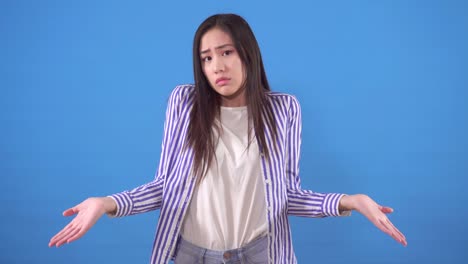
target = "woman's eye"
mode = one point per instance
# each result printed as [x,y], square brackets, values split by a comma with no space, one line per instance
[227,52]
[205,59]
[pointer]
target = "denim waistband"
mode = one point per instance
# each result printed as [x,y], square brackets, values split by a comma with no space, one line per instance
[230,255]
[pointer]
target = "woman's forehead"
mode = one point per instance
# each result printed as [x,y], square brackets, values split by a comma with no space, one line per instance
[214,38]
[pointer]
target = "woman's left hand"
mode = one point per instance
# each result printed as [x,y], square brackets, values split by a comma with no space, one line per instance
[374,212]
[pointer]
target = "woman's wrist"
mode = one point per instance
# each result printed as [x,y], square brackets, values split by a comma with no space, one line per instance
[352,202]
[110,207]
[347,203]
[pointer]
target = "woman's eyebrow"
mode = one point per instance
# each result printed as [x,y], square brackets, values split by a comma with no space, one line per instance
[216,48]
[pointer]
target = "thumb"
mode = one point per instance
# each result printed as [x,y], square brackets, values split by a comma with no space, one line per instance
[70,211]
[386,209]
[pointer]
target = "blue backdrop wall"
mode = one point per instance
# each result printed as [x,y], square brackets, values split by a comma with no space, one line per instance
[383,87]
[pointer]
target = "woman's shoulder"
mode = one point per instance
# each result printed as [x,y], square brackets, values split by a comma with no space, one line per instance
[182,94]
[282,98]
[183,90]
[180,99]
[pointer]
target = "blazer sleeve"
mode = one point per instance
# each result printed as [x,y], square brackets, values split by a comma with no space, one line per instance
[148,197]
[303,202]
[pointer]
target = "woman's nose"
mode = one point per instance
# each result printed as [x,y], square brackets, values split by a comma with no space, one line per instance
[218,65]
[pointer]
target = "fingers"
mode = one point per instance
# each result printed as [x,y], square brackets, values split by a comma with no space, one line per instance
[401,237]
[63,234]
[376,214]
[384,224]
[387,227]
[68,234]
[87,213]
[76,236]
[65,239]
[68,231]
[57,236]
[381,225]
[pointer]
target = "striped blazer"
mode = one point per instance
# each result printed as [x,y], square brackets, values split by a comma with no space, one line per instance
[172,188]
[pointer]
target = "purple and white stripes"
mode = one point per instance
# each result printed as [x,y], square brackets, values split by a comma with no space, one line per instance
[172,188]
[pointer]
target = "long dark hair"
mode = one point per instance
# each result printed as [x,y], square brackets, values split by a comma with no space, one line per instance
[207,101]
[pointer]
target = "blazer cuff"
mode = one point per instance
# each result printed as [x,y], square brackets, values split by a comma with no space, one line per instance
[331,205]
[124,204]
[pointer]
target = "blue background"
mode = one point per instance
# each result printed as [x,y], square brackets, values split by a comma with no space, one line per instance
[383,87]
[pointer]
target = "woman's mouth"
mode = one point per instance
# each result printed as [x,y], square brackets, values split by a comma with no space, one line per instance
[222,81]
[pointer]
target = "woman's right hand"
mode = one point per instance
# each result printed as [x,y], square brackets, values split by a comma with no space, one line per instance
[88,212]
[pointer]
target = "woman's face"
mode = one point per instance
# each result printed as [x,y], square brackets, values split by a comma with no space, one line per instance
[223,67]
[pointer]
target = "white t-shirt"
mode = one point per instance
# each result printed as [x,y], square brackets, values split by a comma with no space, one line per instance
[228,208]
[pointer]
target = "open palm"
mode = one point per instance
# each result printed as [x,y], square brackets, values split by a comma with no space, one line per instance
[88,212]
[377,215]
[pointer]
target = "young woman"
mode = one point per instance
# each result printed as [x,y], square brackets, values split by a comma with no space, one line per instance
[228,175]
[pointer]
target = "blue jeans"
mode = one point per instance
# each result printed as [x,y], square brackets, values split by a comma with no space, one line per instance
[252,253]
